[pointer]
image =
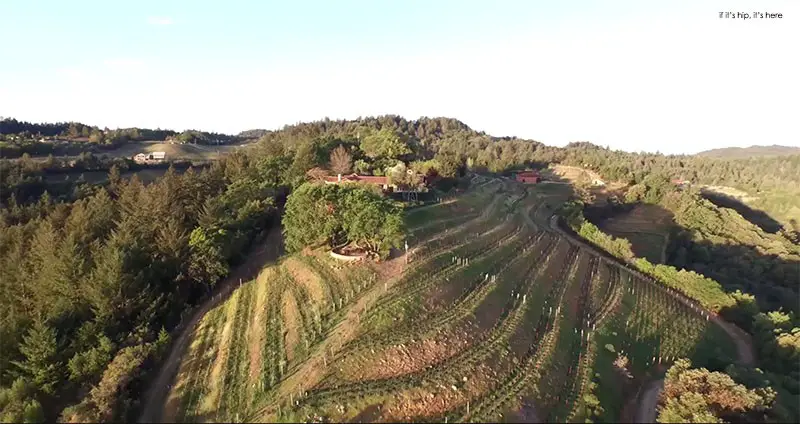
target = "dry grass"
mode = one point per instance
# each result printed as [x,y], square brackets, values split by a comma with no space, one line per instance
[291,317]
[173,151]
[571,173]
[211,403]
[740,195]
[307,278]
[311,372]
[193,358]
[256,335]
[647,227]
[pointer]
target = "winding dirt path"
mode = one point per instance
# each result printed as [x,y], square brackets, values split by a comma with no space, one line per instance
[647,400]
[156,395]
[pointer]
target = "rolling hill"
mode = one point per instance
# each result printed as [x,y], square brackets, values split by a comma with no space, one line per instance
[750,152]
[493,316]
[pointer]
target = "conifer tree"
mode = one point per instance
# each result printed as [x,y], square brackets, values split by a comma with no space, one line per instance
[41,364]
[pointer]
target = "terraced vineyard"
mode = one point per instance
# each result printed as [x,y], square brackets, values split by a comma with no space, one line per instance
[493,318]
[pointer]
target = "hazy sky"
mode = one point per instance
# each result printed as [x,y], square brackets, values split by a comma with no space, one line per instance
[636,75]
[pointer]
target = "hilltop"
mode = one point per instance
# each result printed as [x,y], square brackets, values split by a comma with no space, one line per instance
[750,152]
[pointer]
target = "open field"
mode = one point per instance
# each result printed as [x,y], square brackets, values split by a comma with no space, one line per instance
[491,316]
[740,195]
[190,152]
[174,151]
[647,227]
[571,174]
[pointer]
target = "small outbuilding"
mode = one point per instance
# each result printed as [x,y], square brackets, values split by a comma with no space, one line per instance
[528,177]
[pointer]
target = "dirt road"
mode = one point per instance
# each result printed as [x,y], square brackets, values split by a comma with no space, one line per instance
[648,399]
[271,248]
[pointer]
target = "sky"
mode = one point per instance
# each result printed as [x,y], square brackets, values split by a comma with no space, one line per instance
[668,76]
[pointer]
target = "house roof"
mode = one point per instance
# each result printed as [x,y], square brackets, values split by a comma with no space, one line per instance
[159,155]
[528,174]
[355,178]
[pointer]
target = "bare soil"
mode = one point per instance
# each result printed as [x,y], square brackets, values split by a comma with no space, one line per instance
[179,387]
[406,358]
[439,399]
[743,196]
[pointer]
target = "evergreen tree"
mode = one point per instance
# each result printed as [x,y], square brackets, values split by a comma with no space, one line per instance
[41,364]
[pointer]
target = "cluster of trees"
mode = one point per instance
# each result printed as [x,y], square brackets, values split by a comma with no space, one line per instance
[201,137]
[88,285]
[382,141]
[337,215]
[693,395]
[25,180]
[75,130]
[774,180]
[365,149]
[13,126]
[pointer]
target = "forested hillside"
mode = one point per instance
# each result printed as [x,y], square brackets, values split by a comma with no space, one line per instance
[773,181]
[750,152]
[88,284]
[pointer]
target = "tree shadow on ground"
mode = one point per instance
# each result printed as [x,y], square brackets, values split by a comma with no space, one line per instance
[758,218]
[773,279]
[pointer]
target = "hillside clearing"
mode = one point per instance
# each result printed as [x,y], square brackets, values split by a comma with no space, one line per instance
[647,227]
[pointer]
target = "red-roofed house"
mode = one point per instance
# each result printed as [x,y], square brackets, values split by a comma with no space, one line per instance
[528,177]
[383,182]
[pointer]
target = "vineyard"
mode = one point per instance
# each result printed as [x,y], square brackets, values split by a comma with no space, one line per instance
[494,317]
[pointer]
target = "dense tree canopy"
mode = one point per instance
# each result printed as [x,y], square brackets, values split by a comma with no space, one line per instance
[700,396]
[335,215]
[88,283]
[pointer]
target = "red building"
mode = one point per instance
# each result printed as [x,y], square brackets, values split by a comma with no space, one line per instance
[528,177]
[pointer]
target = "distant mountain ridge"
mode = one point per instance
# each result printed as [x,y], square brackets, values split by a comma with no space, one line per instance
[749,152]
